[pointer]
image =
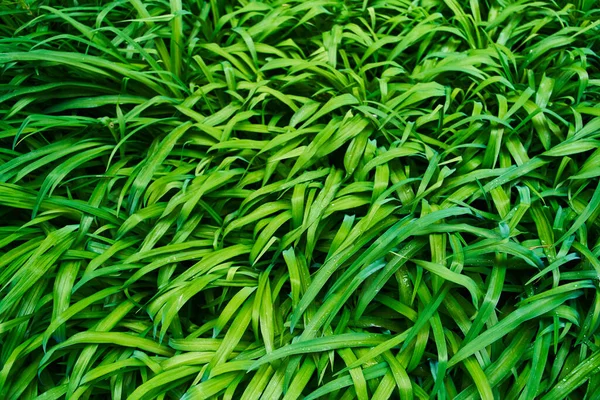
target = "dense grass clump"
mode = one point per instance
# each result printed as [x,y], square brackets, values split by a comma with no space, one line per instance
[299,199]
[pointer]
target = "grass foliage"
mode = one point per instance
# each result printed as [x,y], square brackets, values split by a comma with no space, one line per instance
[290,199]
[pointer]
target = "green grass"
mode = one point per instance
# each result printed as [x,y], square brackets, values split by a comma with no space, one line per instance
[299,199]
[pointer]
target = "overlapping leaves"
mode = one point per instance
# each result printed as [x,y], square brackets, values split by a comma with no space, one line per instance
[299,199]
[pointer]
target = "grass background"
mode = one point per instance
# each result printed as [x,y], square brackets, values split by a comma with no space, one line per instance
[292,199]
